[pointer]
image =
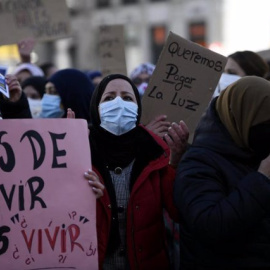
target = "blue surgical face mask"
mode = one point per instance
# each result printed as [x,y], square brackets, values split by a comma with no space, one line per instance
[35,107]
[118,116]
[51,106]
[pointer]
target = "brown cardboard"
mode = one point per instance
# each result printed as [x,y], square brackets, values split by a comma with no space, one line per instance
[112,50]
[41,20]
[183,82]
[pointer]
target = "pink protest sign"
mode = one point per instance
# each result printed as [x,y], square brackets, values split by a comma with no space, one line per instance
[47,209]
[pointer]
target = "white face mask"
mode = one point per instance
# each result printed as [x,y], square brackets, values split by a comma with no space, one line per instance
[118,116]
[35,107]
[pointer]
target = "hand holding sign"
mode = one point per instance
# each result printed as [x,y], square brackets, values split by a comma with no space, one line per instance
[15,90]
[183,82]
[95,183]
[177,139]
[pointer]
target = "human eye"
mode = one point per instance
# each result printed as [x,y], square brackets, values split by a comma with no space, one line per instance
[108,98]
[128,98]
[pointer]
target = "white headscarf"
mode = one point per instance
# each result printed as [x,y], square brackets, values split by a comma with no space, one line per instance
[33,69]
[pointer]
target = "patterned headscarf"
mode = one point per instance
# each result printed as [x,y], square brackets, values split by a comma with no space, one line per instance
[145,68]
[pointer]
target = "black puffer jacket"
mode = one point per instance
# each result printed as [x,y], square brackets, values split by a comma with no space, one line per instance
[15,110]
[223,201]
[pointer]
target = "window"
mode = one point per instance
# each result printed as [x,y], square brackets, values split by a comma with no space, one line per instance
[103,3]
[158,39]
[197,32]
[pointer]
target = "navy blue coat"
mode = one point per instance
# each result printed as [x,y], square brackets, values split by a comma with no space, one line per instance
[224,203]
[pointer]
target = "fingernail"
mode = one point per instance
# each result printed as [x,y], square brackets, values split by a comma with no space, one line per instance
[90,181]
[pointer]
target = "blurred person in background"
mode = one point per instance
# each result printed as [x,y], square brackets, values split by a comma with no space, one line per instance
[141,76]
[26,70]
[34,88]
[48,69]
[95,76]
[240,64]
[67,88]
[246,63]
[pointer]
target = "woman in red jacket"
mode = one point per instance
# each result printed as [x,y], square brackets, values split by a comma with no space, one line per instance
[137,169]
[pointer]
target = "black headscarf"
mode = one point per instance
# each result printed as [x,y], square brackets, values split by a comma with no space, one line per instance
[37,82]
[116,151]
[75,90]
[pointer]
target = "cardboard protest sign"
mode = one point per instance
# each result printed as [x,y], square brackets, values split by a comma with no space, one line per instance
[112,49]
[48,210]
[42,20]
[183,82]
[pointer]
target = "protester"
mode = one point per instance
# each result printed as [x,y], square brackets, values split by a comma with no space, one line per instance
[224,81]
[240,64]
[95,76]
[16,106]
[222,185]
[138,170]
[34,88]
[48,69]
[67,88]
[141,76]
[246,63]
[26,70]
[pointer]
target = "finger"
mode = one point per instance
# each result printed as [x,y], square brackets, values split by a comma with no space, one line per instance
[185,130]
[98,192]
[161,117]
[69,113]
[96,184]
[175,132]
[157,119]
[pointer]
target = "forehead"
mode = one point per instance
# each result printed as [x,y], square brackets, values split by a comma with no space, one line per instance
[118,85]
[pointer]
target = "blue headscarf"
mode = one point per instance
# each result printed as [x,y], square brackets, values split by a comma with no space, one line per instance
[75,90]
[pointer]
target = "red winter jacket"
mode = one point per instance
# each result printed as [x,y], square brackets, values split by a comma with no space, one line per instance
[152,191]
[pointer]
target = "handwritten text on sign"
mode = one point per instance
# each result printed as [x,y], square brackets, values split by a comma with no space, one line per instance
[39,19]
[183,82]
[47,209]
[112,49]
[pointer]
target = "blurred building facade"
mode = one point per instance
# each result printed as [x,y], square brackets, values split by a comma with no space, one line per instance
[221,25]
[147,24]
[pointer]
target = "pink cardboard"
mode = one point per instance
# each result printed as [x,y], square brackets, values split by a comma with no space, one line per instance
[47,208]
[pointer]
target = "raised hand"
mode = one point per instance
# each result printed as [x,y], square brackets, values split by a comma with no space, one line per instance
[159,125]
[177,140]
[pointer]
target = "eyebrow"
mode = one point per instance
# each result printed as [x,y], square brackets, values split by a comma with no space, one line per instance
[122,92]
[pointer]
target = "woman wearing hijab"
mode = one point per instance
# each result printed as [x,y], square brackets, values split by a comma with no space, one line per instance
[34,89]
[222,187]
[138,170]
[67,88]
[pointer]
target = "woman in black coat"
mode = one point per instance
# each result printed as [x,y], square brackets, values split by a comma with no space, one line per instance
[222,187]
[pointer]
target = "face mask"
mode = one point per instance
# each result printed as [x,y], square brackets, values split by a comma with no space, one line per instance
[224,81]
[35,107]
[118,116]
[141,88]
[51,107]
